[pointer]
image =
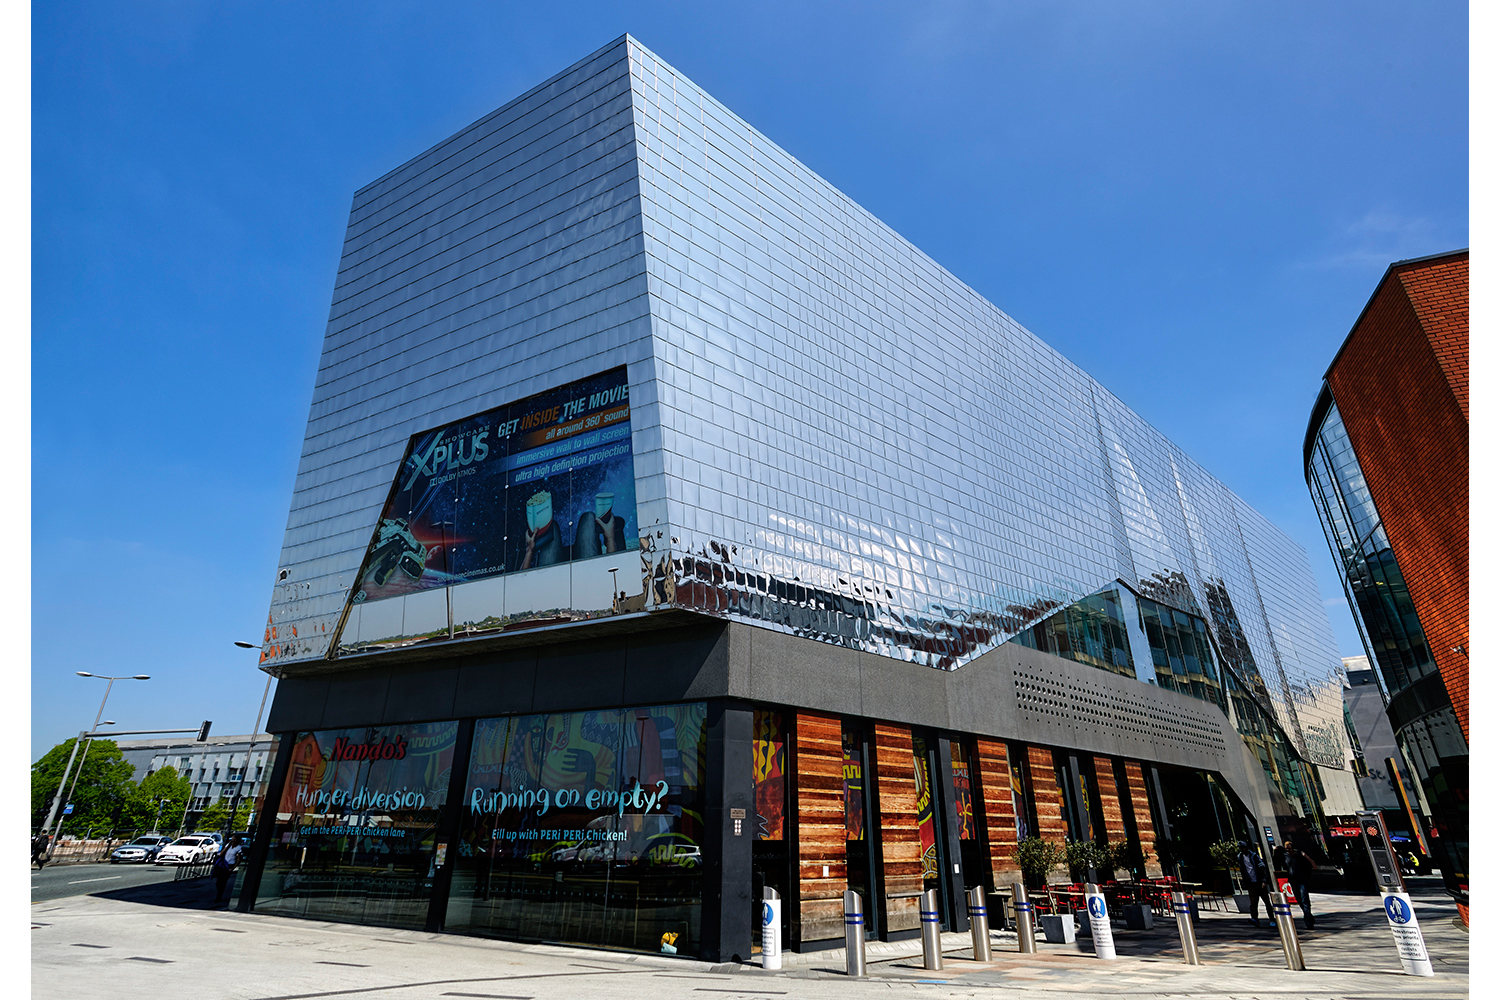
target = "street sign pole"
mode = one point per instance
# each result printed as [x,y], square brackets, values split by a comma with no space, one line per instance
[1410,947]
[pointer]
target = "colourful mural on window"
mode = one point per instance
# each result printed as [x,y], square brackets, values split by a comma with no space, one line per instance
[854,789]
[963,792]
[926,830]
[769,748]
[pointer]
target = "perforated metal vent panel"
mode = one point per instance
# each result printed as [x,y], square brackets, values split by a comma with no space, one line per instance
[1058,702]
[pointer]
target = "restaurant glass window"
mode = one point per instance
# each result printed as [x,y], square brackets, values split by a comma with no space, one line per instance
[926,812]
[356,825]
[769,863]
[1023,808]
[858,838]
[584,827]
[968,806]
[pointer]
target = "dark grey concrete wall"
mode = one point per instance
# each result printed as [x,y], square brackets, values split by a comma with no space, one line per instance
[1012,692]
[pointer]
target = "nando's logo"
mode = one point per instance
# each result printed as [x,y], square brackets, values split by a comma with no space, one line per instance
[344,749]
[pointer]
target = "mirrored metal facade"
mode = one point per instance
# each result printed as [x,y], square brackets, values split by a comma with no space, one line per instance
[832,436]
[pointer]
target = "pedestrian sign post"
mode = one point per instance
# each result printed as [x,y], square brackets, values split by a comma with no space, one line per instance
[68,809]
[1409,944]
[770,929]
[1099,927]
[1410,947]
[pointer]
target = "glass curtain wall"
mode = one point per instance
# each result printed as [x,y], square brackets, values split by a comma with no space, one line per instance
[1091,631]
[584,827]
[1427,732]
[356,826]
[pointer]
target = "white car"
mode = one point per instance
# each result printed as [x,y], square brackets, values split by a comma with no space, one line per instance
[187,851]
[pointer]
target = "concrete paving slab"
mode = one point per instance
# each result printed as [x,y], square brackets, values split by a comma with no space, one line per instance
[168,943]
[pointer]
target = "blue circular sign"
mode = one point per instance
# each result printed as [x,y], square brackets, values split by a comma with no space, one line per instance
[765,914]
[1397,910]
[1096,906]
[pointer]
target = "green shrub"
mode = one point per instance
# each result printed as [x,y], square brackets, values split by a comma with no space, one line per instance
[1226,854]
[1037,857]
[1085,854]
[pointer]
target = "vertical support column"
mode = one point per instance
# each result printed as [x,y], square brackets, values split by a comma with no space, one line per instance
[901,848]
[730,792]
[999,810]
[448,823]
[952,867]
[822,875]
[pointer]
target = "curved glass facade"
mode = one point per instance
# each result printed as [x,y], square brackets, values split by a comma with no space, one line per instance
[1422,716]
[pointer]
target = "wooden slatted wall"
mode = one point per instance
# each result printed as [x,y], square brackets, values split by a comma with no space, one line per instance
[900,846]
[1049,803]
[1109,800]
[1141,808]
[820,827]
[999,810]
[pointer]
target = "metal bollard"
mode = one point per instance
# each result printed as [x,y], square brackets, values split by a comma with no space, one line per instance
[770,929]
[854,934]
[932,932]
[1184,914]
[1025,929]
[979,924]
[1098,917]
[1288,931]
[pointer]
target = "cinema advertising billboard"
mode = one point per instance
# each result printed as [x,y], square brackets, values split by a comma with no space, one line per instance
[545,480]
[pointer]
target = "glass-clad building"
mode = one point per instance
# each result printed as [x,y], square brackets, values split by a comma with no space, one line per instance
[804,528]
[1386,460]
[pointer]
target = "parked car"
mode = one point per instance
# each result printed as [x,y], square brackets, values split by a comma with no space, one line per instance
[187,850]
[144,848]
[217,838]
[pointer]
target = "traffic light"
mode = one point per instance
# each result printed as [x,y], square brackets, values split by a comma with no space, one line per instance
[203,731]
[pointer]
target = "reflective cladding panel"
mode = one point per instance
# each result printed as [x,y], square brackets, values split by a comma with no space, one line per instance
[860,449]
[502,262]
[831,435]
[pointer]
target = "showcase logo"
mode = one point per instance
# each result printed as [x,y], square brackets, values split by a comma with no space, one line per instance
[343,749]
[441,457]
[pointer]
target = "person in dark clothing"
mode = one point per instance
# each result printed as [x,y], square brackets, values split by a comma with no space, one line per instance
[1257,880]
[39,850]
[223,868]
[1300,867]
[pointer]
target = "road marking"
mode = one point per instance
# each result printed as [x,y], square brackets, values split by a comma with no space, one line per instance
[107,878]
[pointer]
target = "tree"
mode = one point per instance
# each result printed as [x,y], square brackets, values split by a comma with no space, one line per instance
[214,818]
[162,793]
[103,785]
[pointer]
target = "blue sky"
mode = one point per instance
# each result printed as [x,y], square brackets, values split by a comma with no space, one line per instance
[1192,201]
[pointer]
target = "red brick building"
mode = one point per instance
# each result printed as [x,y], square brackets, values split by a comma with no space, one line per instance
[1387,461]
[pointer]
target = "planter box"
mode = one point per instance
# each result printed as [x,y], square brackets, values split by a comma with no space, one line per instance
[1059,929]
[1138,917]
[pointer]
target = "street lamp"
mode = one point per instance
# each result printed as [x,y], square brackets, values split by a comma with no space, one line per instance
[239,786]
[57,802]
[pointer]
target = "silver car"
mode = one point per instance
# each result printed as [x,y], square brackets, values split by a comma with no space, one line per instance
[140,849]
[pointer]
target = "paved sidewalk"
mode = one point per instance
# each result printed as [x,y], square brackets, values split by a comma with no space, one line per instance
[168,944]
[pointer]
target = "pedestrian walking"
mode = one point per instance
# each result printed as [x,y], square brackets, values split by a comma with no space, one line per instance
[1300,867]
[223,868]
[39,850]
[1257,880]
